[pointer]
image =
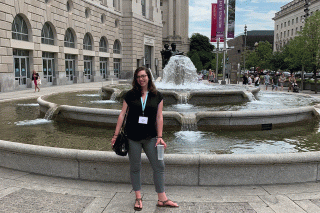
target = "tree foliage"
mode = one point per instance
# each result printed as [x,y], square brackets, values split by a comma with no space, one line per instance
[260,57]
[200,43]
[196,61]
[201,51]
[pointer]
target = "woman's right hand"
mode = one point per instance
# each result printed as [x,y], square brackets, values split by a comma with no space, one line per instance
[113,140]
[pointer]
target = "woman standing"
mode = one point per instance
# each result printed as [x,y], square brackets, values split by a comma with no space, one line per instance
[211,76]
[282,79]
[144,130]
[35,77]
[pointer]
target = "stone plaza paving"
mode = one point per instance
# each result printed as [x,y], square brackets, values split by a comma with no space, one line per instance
[25,192]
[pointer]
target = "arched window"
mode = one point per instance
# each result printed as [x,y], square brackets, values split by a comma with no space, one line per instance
[103,46]
[69,39]
[19,29]
[87,44]
[47,34]
[117,47]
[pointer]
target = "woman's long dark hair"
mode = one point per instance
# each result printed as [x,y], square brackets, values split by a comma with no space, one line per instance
[136,86]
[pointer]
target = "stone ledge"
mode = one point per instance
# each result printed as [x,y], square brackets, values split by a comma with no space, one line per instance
[199,169]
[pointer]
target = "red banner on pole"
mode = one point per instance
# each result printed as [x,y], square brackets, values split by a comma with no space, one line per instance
[214,23]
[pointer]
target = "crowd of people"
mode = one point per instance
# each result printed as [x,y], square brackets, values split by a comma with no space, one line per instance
[276,81]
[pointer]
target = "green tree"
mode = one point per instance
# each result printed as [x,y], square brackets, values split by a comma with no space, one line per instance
[277,61]
[200,45]
[260,57]
[196,61]
[213,63]
[264,54]
[310,38]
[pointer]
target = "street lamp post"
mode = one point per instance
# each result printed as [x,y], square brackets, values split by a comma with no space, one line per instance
[306,11]
[225,42]
[217,60]
[245,47]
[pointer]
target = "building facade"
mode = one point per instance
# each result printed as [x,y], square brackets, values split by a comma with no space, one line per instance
[76,41]
[235,54]
[175,19]
[289,21]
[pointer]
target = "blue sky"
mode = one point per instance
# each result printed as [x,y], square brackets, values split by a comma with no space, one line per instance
[256,14]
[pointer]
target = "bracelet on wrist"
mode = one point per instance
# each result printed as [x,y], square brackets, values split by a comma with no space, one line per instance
[159,137]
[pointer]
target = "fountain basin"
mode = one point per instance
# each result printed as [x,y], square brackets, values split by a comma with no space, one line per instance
[192,170]
[204,120]
[213,97]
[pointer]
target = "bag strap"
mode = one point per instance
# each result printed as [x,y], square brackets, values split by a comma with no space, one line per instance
[125,119]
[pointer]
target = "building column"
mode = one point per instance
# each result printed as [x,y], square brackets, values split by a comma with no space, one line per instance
[170,19]
[178,18]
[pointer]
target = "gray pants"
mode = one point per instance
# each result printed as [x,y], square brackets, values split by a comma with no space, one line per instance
[135,148]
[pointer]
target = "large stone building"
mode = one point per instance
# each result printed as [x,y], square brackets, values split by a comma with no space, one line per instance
[75,41]
[175,19]
[235,54]
[290,20]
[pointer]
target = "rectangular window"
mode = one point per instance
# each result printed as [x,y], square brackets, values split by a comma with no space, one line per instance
[300,28]
[281,25]
[288,23]
[117,67]
[297,20]
[291,32]
[285,24]
[288,33]
[296,30]
[292,21]
[284,34]
[277,27]
[143,5]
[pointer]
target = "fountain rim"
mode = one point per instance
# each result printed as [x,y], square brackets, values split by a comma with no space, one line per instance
[73,163]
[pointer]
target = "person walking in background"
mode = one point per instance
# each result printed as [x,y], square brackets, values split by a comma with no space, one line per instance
[275,82]
[249,80]
[144,127]
[282,79]
[211,76]
[256,80]
[244,79]
[267,80]
[35,77]
[292,80]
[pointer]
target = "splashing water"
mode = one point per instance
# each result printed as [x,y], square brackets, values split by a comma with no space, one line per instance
[32,122]
[180,71]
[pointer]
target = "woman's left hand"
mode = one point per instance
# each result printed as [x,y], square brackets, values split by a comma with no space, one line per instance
[161,141]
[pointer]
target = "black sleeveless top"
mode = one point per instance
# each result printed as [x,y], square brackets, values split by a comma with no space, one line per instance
[136,131]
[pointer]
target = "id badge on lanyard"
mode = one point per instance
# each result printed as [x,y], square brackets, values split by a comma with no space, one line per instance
[143,119]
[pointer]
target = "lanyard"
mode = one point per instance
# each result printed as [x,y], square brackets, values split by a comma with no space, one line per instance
[144,103]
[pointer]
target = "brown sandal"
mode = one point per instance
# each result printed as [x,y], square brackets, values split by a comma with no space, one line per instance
[138,208]
[164,204]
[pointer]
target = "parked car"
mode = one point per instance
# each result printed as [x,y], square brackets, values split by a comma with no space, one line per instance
[307,75]
[286,74]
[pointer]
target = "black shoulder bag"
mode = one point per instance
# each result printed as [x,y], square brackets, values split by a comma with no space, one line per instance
[121,146]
